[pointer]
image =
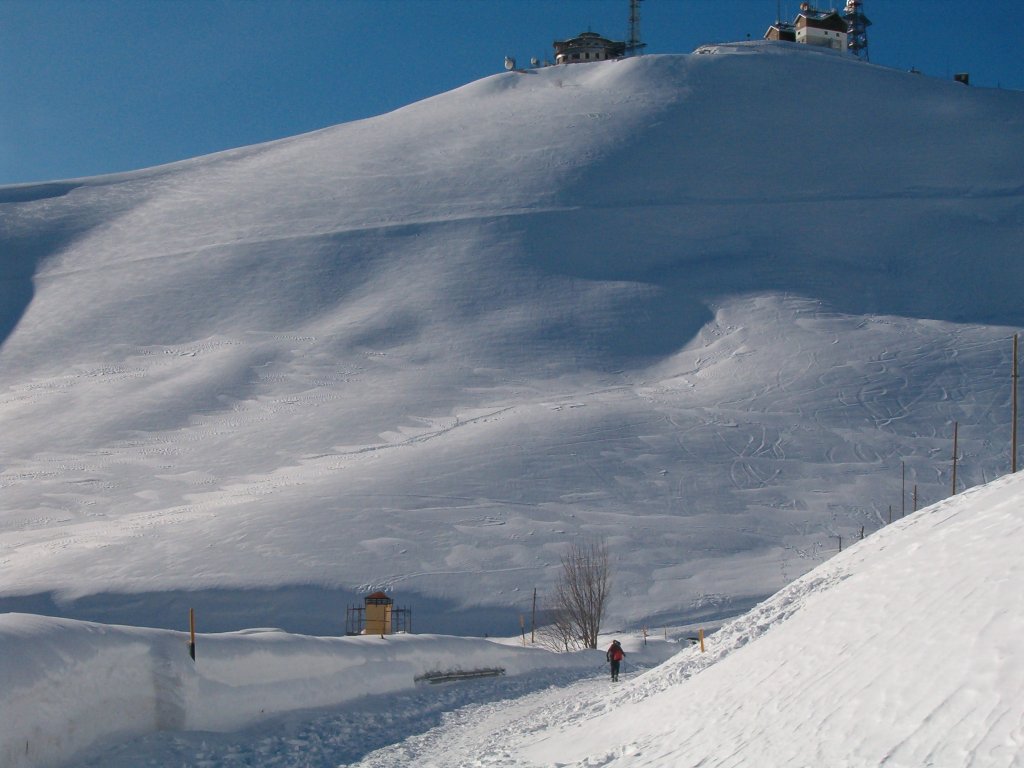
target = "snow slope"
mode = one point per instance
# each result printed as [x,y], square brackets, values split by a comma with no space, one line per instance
[904,650]
[686,303]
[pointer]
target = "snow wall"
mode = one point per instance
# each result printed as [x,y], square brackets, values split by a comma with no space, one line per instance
[68,685]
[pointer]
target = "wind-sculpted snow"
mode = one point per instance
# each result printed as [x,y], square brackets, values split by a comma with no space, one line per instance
[901,651]
[684,303]
[71,686]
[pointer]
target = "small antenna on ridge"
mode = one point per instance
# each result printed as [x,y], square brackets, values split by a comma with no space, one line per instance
[633,44]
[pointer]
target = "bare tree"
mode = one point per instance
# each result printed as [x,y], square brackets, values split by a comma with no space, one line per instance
[582,590]
[556,632]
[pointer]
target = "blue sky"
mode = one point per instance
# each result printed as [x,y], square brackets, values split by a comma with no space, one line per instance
[101,86]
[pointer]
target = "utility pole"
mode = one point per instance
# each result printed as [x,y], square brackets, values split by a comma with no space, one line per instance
[533,617]
[956,424]
[1013,440]
[903,489]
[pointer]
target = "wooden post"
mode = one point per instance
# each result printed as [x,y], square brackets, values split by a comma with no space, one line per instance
[522,627]
[915,497]
[903,489]
[192,633]
[645,637]
[533,618]
[956,426]
[862,533]
[840,543]
[890,514]
[700,634]
[1013,431]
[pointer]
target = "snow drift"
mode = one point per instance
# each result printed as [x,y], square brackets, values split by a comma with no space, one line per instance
[70,685]
[903,650]
[686,303]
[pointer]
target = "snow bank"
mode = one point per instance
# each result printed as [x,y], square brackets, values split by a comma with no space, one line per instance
[70,684]
[904,650]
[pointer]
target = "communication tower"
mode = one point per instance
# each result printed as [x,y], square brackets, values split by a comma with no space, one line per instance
[857,29]
[633,44]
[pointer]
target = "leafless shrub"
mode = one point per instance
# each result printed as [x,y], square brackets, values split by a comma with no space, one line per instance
[556,631]
[582,592]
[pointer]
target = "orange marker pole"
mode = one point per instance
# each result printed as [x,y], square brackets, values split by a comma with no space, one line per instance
[701,635]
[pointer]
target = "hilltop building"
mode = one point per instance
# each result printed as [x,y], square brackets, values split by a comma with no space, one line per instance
[781,30]
[826,29]
[587,46]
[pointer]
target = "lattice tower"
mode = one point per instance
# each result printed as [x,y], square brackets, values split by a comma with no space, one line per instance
[633,44]
[857,29]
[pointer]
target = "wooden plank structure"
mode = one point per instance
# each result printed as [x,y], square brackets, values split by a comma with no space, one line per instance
[456,675]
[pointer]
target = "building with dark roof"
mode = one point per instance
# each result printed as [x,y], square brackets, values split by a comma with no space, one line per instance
[823,28]
[587,46]
[826,29]
[781,30]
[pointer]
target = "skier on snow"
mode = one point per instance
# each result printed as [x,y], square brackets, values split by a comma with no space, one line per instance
[614,655]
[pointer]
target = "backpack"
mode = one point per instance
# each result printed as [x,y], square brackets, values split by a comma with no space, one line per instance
[615,653]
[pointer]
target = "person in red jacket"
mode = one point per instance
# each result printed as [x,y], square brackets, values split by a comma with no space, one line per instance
[615,655]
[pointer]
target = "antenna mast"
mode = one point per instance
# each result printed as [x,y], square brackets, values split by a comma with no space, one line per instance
[857,29]
[633,44]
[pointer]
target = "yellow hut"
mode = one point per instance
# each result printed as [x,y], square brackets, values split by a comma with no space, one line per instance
[377,616]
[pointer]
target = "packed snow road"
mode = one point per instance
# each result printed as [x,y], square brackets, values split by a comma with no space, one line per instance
[490,734]
[476,722]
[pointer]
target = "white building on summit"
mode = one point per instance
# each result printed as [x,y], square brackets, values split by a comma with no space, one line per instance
[587,46]
[826,29]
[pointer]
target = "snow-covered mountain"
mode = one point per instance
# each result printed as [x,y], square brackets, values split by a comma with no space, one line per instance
[704,306]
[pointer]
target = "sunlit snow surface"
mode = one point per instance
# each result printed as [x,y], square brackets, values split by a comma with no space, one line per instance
[687,303]
[904,650]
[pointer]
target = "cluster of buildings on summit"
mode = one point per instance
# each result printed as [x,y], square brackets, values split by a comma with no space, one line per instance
[844,31]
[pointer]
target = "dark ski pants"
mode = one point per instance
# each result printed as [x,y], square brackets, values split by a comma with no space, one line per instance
[615,670]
